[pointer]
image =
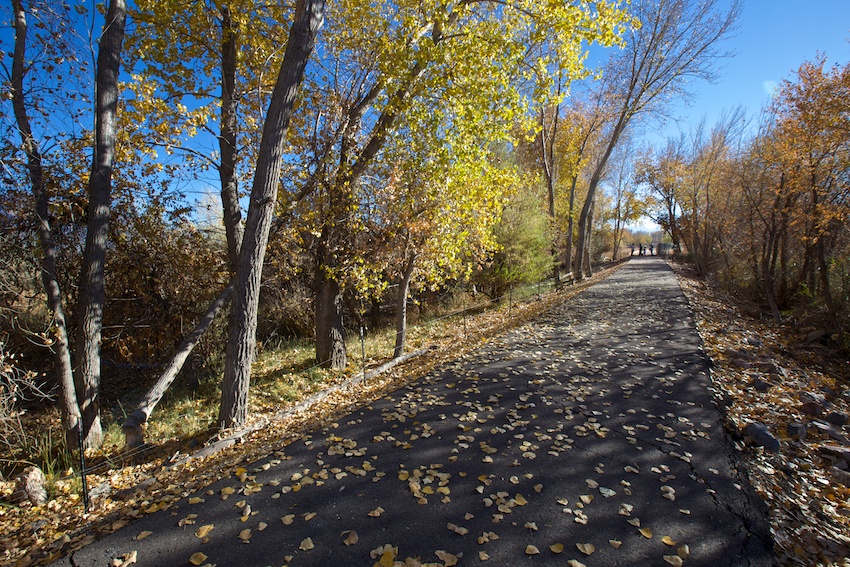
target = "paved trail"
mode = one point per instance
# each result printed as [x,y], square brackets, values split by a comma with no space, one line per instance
[566,431]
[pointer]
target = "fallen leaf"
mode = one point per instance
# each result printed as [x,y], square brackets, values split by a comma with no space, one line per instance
[635,522]
[674,560]
[288,519]
[376,512]
[531,526]
[245,535]
[196,500]
[126,560]
[306,545]
[448,559]
[586,548]
[683,551]
[646,532]
[482,556]
[667,540]
[309,516]
[556,547]
[520,500]
[142,535]
[351,538]
[531,550]
[615,543]
[261,526]
[197,558]
[204,531]
[575,563]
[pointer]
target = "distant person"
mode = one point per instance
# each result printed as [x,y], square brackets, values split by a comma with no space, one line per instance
[651,247]
[632,246]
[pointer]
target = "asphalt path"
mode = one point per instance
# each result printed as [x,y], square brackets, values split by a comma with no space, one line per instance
[589,434]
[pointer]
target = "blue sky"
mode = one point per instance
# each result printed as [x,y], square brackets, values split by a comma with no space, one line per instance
[774,38]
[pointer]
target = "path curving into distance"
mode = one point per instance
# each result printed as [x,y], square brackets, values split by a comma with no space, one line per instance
[588,434]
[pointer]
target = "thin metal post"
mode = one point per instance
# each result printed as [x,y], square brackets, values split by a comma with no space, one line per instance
[363,352]
[83,466]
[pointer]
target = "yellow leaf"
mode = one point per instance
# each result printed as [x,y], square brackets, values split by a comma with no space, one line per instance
[646,532]
[683,551]
[667,540]
[538,488]
[309,516]
[531,550]
[575,563]
[448,559]
[203,531]
[196,500]
[674,560]
[351,538]
[586,548]
[227,491]
[556,547]
[288,519]
[245,535]
[143,535]
[240,471]
[387,558]
[376,512]
[520,500]
[586,498]
[197,558]
[306,545]
[483,556]
[615,543]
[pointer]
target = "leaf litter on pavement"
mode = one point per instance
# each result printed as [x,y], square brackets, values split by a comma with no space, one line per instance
[496,427]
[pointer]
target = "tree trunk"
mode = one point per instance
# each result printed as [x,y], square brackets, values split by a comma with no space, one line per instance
[61,350]
[87,371]
[330,333]
[133,426]
[547,147]
[227,138]
[309,15]
[570,229]
[401,307]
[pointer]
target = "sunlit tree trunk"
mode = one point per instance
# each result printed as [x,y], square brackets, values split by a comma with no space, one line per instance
[309,16]
[87,375]
[401,306]
[69,407]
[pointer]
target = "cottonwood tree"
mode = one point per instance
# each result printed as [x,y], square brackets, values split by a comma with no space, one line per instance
[80,382]
[307,20]
[677,42]
[190,59]
[386,64]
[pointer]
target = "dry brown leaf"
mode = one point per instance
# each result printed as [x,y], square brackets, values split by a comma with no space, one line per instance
[351,537]
[143,535]
[204,531]
[448,559]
